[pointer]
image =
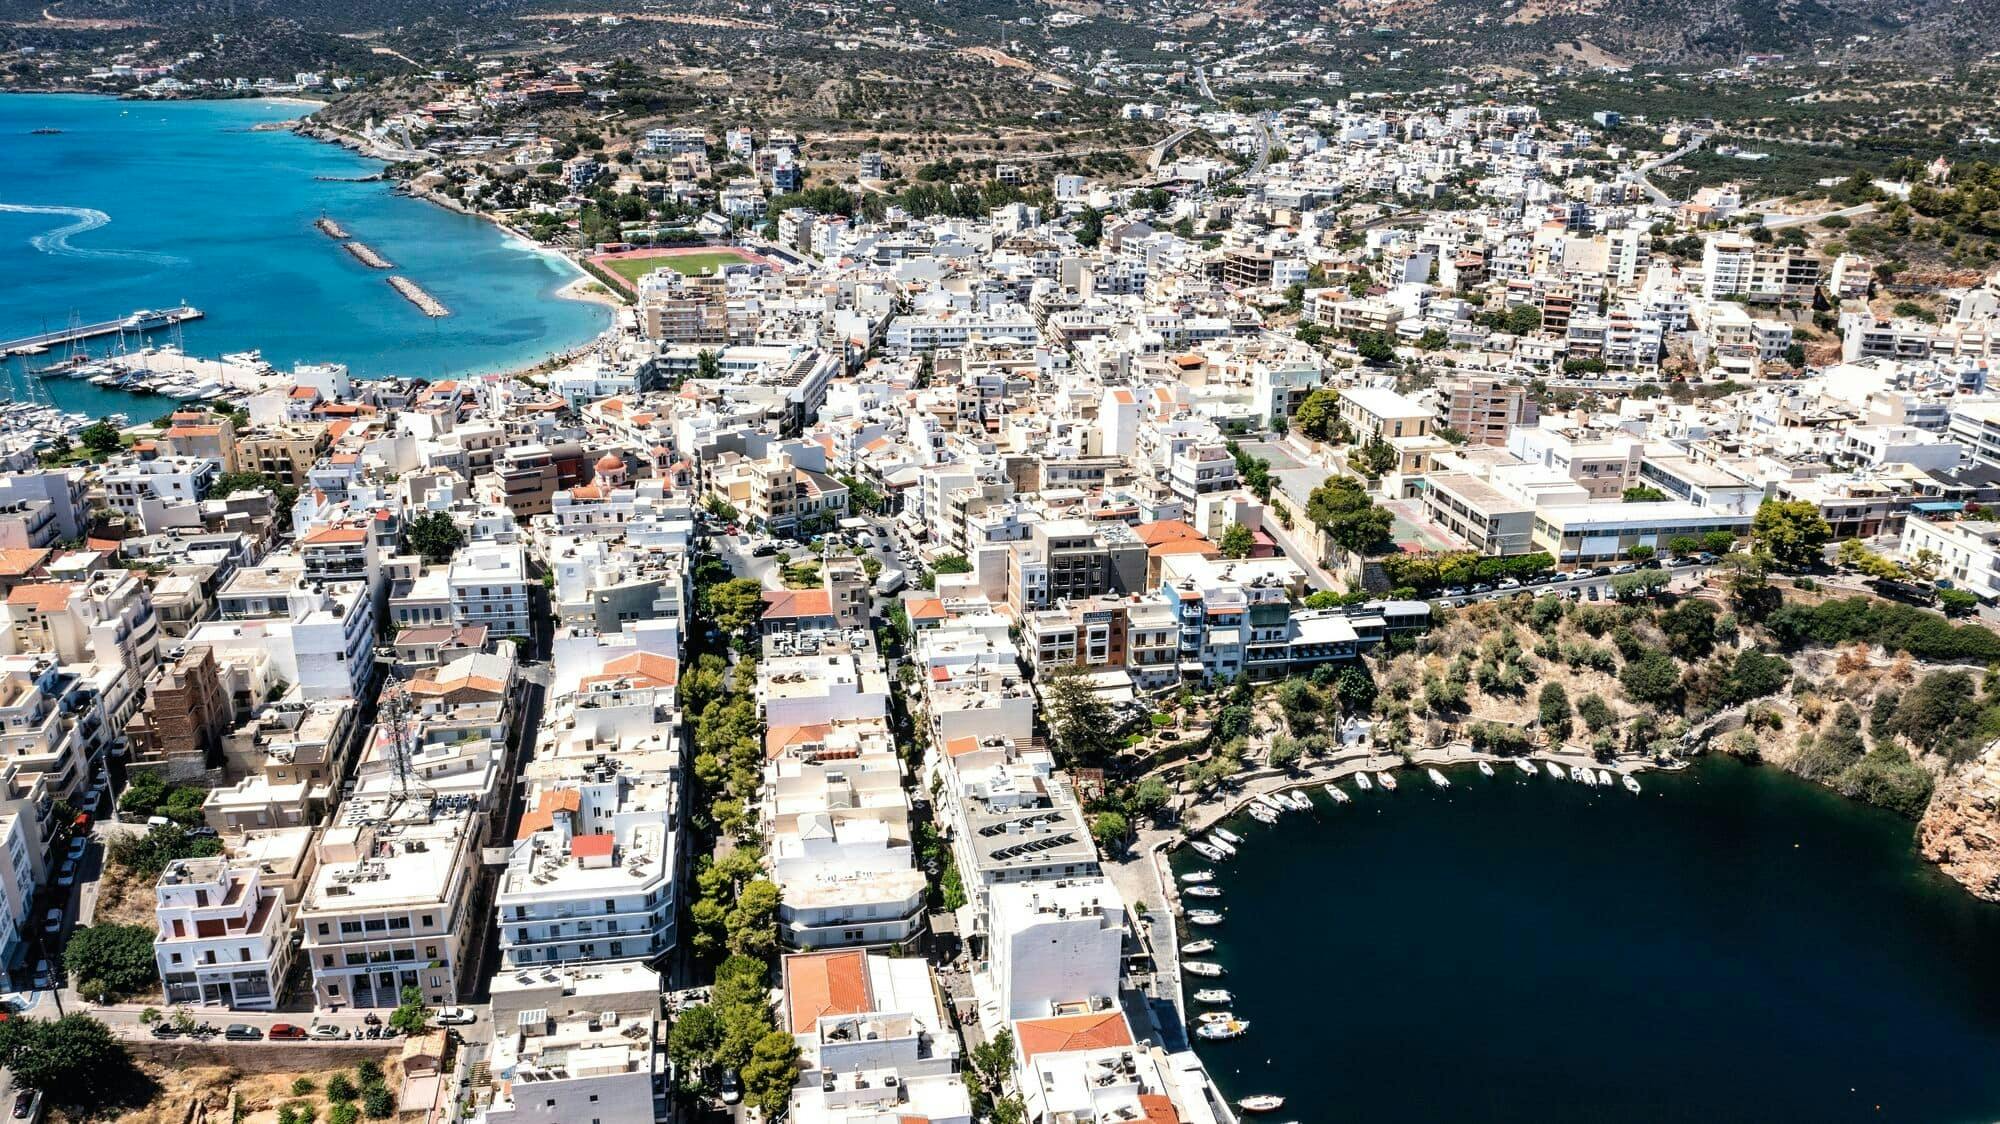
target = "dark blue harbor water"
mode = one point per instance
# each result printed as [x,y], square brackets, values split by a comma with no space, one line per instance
[146,204]
[1731,945]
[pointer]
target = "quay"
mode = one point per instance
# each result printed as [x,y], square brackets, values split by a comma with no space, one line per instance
[414,293]
[366,255]
[331,228]
[142,321]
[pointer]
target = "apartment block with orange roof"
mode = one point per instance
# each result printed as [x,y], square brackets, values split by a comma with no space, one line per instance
[875,1045]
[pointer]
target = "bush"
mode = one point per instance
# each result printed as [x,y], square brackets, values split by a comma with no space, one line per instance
[1894,626]
[379,1102]
[119,957]
[1887,777]
[304,1087]
[339,1088]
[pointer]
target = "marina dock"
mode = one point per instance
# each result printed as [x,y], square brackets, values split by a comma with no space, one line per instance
[367,256]
[415,294]
[142,321]
[331,228]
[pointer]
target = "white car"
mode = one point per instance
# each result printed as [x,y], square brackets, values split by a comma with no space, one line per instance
[52,924]
[453,1016]
[68,875]
[327,1032]
[77,847]
[45,976]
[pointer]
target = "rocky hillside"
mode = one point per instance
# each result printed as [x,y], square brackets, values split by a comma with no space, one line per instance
[1960,831]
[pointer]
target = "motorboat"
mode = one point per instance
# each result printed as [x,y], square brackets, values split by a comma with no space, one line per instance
[1262,1102]
[1202,968]
[1362,782]
[1485,769]
[1265,802]
[1337,794]
[1579,773]
[1262,814]
[1204,917]
[1225,835]
[1437,778]
[1207,1017]
[1204,891]
[1527,767]
[1555,770]
[1228,849]
[1387,782]
[1630,784]
[1299,800]
[1222,1032]
[1604,777]
[1214,995]
[1206,851]
[1197,877]
[1197,948]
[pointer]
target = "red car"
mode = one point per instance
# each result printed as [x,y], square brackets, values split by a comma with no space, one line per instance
[287,1032]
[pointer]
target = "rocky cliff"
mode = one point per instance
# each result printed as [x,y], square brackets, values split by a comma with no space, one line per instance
[1960,830]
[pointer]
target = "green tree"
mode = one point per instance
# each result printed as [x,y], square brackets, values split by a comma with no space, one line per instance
[1343,509]
[1315,415]
[100,436]
[1237,541]
[706,365]
[1355,689]
[119,956]
[1595,712]
[1110,829]
[411,1016]
[1079,721]
[378,1102]
[735,605]
[1373,459]
[1149,797]
[1654,678]
[1552,706]
[753,921]
[340,1088]
[1792,533]
[692,1041]
[770,1073]
[1374,347]
[1644,493]
[952,564]
[59,1055]
[434,536]
[1523,319]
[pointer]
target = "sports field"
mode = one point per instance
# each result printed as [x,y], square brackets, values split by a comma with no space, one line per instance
[636,264]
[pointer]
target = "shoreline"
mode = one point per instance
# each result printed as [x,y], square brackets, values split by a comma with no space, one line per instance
[581,289]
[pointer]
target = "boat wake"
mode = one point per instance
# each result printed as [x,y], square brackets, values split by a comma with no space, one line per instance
[57,241]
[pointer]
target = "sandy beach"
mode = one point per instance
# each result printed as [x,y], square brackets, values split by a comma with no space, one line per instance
[588,288]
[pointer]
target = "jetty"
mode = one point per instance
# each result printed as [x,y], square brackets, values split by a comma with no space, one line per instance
[143,321]
[367,256]
[331,228]
[414,293]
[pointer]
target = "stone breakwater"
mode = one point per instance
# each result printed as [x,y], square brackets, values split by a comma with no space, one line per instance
[415,294]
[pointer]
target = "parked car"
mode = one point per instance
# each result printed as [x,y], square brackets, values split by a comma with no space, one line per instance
[244,1032]
[1507,583]
[45,976]
[1454,591]
[27,1104]
[764,550]
[327,1032]
[68,874]
[1624,569]
[454,1016]
[52,923]
[92,801]
[77,847]
[286,1032]
[730,1086]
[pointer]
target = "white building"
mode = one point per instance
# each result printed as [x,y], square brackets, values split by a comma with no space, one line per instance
[489,586]
[225,937]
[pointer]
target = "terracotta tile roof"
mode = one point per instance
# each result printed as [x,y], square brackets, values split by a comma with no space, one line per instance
[304,392]
[43,597]
[1065,1033]
[826,983]
[543,815]
[1165,530]
[644,669]
[778,738]
[959,747]
[1157,1109]
[1183,546]
[16,561]
[336,536]
[592,846]
[927,609]
[787,604]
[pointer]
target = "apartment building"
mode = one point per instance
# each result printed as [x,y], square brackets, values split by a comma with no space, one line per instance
[1968,548]
[224,936]
[1483,410]
[1735,265]
[874,1041]
[389,906]
[488,586]
[1374,413]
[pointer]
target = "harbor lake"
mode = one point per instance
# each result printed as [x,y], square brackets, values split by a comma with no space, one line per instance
[1732,944]
[136,204]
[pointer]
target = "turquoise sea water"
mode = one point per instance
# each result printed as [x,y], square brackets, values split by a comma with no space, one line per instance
[145,204]
[1731,945]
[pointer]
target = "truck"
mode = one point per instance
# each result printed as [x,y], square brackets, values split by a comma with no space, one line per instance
[888,582]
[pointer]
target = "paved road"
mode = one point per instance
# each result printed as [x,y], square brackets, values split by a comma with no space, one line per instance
[1655,193]
[1779,222]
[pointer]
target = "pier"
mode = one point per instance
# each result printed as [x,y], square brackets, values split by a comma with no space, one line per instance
[331,228]
[142,321]
[367,256]
[414,293]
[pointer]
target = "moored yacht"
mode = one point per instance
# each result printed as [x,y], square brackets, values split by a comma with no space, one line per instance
[1338,794]
[1262,1102]
[1197,948]
[1228,849]
[1225,835]
[1604,777]
[1385,780]
[1527,767]
[1207,968]
[1203,891]
[1218,1032]
[1213,995]
[1206,851]
[1204,917]
[1437,778]
[1196,877]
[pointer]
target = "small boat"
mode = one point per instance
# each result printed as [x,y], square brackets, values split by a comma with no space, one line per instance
[1207,1017]
[1485,770]
[1222,1032]
[1555,770]
[1224,835]
[1437,778]
[1204,891]
[1604,777]
[1228,849]
[1362,782]
[1631,785]
[1262,1102]
[1204,917]
[1213,995]
[1197,877]
[1579,773]
[1197,948]
[1387,782]
[1262,814]
[45,131]
[1202,968]
[1300,801]
[1265,802]
[1206,851]
[1527,767]
[1338,794]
